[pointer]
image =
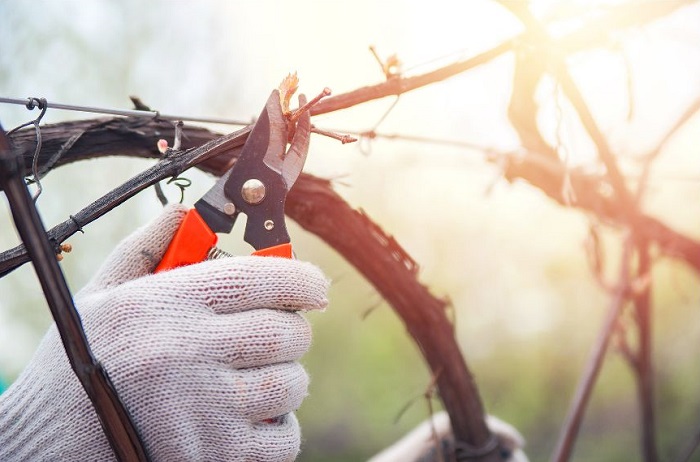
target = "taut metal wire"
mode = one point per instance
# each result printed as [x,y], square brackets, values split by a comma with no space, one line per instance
[123,112]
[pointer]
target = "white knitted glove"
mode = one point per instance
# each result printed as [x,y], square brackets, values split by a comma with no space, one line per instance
[420,445]
[202,357]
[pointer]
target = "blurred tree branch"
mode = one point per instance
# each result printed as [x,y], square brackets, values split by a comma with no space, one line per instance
[627,209]
[574,418]
[593,33]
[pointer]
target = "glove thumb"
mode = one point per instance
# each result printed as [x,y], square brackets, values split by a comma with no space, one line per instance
[140,253]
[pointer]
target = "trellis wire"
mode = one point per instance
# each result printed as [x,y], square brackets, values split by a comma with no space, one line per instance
[123,112]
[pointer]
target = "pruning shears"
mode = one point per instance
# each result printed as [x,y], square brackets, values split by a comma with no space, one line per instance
[256,185]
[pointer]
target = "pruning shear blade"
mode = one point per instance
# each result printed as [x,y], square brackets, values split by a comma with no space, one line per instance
[256,185]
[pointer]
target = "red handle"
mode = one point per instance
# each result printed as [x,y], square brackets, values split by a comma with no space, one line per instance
[194,239]
[282,250]
[191,243]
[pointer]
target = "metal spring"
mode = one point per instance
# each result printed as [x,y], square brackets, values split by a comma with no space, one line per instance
[215,253]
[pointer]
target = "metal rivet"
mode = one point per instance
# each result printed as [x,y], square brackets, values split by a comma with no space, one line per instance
[229,208]
[269,224]
[253,191]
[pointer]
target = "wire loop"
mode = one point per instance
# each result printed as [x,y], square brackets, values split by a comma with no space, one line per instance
[464,451]
[32,103]
[182,183]
[77,223]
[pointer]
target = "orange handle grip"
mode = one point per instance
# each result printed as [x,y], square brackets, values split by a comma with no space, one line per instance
[282,250]
[191,243]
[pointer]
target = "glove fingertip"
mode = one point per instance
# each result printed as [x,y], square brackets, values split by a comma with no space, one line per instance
[306,285]
[242,283]
[140,252]
[317,285]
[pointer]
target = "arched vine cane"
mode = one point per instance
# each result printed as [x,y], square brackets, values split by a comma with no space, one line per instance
[315,206]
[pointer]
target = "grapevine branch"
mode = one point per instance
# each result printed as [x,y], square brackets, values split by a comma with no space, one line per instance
[138,138]
[314,204]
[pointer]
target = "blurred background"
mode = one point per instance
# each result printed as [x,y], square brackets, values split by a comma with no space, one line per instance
[512,261]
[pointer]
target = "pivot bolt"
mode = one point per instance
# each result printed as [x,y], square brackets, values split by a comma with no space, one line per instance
[253,191]
[229,208]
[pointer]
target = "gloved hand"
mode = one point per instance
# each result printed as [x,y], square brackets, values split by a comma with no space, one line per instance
[420,444]
[202,357]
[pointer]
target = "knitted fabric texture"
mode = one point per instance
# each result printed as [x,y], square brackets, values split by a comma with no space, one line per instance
[202,356]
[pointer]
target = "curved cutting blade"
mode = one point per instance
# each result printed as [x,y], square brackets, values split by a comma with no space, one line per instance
[295,158]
